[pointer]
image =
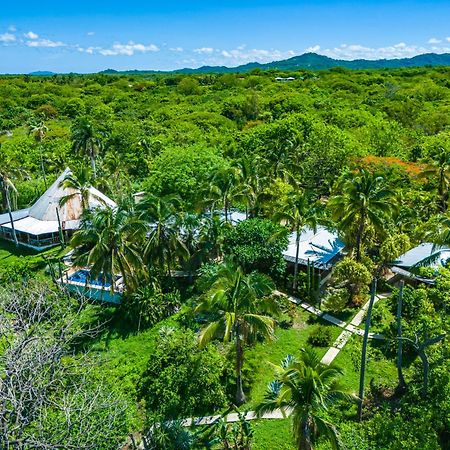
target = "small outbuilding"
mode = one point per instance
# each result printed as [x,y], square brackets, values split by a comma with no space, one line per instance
[41,226]
[321,248]
[424,255]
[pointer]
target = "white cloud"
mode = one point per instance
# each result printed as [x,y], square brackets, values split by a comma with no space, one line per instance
[121,49]
[176,49]
[7,38]
[434,41]
[45,43]
[447,39]
[241,55]
[204,50]
[400,50]
[313,49]
[90,33]
[12,28]
[31,35]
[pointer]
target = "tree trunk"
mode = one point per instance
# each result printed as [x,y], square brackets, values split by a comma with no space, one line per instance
[359,237]
[225,207]
[13,230]
[42,167]
[240,396]
[297,242]
[305,437]
[426,369]
[364,348]
[401,379]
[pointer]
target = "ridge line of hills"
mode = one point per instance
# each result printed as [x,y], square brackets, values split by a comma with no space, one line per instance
[307,61]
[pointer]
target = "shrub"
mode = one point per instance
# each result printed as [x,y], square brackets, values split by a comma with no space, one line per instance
[149,305]
[320,337]
[336,299]
[181,379]
[258,245]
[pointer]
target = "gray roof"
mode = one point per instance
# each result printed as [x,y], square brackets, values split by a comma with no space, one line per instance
[424,254]
[319,247]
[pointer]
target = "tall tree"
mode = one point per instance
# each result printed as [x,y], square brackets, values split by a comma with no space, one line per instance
[240,306]
[86,140]
[225,187]
[108,242]
[306,388]
[164,245]
[298,213]
[7,186]
[439,170]
[39,130]
[364,201]
[364,348]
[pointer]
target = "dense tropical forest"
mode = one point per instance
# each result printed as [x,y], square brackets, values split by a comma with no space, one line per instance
[206,325]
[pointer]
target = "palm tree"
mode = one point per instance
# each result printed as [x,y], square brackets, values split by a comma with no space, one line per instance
[306,388]
[108,243]
[439,169]
[6,187]
[364,201]
[164,245]
[240,306]
[39,130]
[298,213]
[254,184]
[80,184]
[86,140]
[225,188]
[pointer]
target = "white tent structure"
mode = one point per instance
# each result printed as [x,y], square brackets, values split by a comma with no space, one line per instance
[39,226]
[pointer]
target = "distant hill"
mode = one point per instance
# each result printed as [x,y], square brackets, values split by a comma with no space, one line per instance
[313,61]
[42,73]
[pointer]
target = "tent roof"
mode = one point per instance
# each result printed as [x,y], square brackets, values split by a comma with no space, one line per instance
[318,247]
[415,256]
[45,208]
[42,218]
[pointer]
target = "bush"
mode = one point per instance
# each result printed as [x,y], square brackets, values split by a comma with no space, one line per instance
[149,305]
[336,299]
[181,379]
[320,337]
[258,245]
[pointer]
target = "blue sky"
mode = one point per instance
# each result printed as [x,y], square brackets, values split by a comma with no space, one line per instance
[88,36]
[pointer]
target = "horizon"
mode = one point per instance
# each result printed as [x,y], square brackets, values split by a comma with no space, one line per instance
[98,36]
[44,72]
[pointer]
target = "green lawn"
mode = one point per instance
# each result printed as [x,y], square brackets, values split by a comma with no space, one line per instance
[288,341]
[9,254]
[272,435]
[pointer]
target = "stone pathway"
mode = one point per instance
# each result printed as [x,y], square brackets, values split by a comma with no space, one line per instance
[351,328]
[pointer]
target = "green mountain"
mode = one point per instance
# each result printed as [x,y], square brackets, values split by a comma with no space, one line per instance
[313,61]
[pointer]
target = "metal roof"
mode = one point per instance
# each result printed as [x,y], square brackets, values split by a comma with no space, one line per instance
[318,247]
[436,256]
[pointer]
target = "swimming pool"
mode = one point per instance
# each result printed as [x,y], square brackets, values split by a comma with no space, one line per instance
[84,276]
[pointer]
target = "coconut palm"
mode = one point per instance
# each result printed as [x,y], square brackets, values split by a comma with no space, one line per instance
[80,184]
[225,187]
[164,246]
[39,130]
[306,388]
[240,308]
[108,243]
[439,170]
[298,213]
[364,201]
[86,140]
[6,187]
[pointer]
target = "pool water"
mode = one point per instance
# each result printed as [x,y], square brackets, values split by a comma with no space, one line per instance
[84,276]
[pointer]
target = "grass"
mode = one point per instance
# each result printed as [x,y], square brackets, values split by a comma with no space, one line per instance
[288,341]
[272,435]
